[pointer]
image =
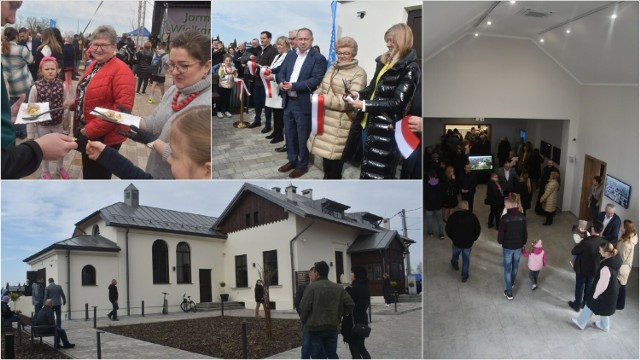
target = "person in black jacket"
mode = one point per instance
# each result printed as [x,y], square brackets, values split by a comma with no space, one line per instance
[586,264]
[46,316]
[433,203]
[463,228]
[258,292]
[467,183]
[495,199]
[381,104]
[359,292]
[603,294]
[113,298]
[512,235]
[143,61]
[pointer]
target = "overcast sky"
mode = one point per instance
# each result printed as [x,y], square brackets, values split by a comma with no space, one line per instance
[244,21]
[73,16]
[35,216]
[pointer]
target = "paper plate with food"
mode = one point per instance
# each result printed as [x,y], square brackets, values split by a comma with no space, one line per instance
[116,116]
[32,110]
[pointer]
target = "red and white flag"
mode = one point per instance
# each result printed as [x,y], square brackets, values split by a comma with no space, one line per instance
[253,67]
[264,72]
[243,88]
[317,114]
[406,139]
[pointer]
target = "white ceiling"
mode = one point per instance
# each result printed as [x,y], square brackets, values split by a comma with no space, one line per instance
[599,50]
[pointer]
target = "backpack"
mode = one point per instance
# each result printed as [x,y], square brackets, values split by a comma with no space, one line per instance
[125,54]
[156,65]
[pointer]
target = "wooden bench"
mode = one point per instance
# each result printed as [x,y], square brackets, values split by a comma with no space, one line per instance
[25,325]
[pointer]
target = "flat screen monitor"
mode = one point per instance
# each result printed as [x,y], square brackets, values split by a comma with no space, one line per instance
[556,155]
[617,191]
[523,135]
[545,149]
[481,162]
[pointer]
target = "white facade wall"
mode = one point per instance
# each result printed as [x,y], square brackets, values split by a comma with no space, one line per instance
[369,31]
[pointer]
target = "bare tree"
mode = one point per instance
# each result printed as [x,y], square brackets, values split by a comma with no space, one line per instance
[265,275]
[32,23]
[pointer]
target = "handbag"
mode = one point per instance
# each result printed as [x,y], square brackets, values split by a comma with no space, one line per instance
[361,330]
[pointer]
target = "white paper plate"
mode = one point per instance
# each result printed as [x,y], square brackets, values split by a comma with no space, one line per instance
[127,119]
[22,113]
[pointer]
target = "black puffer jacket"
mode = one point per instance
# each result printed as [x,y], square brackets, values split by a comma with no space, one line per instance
[393,97]
[143,59]
[605,304]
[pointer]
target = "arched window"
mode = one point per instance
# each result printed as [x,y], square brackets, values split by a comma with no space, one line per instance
[160,260]
[95,230]
[88,275]
[183,263]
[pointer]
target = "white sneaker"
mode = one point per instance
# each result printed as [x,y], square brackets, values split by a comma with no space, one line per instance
[228,114]
[534,286]
[220,115]
[575,321]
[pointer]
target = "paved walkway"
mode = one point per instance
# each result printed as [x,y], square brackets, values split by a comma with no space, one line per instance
[393,335]
[246,154]
[136,152]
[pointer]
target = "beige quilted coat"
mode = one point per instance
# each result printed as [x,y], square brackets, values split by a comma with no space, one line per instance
[331,143]
[549,199]
[625,249]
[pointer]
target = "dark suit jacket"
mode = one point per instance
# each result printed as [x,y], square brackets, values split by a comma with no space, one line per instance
[311,74]
[507,186]
[611,232]
[34,45]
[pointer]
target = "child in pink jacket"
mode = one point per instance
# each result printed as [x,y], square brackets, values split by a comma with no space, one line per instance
[537,260]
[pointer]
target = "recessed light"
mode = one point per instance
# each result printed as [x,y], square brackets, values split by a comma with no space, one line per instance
[476,34]
[541,40]
[614,16]
[513,2]
[568,31]
[489,22]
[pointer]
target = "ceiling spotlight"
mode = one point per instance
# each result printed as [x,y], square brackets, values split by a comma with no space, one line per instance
[476,34]
[568,31]
[513,2]
[541,40]
[614,16]
[489,22]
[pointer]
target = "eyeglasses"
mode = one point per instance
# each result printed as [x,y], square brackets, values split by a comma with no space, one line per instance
[100,46]
[182,68]
[346,53]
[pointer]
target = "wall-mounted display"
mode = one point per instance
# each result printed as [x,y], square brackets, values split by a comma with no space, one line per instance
[617,191]
[556,155]
[481,163]
[545,149]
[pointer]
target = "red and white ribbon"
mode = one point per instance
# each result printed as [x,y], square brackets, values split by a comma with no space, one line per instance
[253,67]
[407,140]
[317,114]
[264,72]
[240,83]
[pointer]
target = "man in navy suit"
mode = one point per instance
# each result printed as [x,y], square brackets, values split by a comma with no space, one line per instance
[611,222]
[299,75]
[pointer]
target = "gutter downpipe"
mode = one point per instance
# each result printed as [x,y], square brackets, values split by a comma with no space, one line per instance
[293,272]
[126,236]
[69,281]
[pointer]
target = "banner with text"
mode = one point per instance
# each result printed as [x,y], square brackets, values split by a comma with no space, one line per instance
[181,19]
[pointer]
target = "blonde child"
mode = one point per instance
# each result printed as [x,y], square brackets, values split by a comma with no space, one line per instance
[50,88]
[537,260]
[579,233]
[190,141]
[227,73]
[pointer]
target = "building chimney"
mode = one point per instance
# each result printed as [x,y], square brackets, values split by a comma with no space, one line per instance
[308,193]
[290,191]
[131,197]
[386,224]
[276,189]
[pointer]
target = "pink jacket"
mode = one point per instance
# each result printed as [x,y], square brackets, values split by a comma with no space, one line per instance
[537,258]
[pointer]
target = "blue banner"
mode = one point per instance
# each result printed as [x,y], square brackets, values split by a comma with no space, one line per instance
[52,23]
[332,50]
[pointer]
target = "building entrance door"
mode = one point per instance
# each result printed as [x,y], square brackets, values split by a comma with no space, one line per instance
[205,285]
[592,167]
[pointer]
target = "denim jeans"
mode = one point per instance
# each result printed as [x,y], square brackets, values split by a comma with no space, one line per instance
[438,216]
[510,261]
[585,315]
[533,276]
[37,308]
[324,344]
[58,310]
[305,351]
[466,253]
[114,310]
[583,283]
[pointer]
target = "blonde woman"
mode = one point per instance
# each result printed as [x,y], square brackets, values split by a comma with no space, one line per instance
[549,199]
[626,246]
[338,114]
[383,103]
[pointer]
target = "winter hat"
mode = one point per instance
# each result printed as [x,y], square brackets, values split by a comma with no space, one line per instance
[6,299]
[538,244]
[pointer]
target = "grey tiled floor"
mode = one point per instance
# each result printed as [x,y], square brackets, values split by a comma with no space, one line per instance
[475,320]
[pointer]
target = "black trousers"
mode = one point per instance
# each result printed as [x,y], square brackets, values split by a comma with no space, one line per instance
[495,214]
[469,198]
[332,168]
[278,123]
[357,349]
[549,216]
[92,170]
[622,294]
[144,82]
